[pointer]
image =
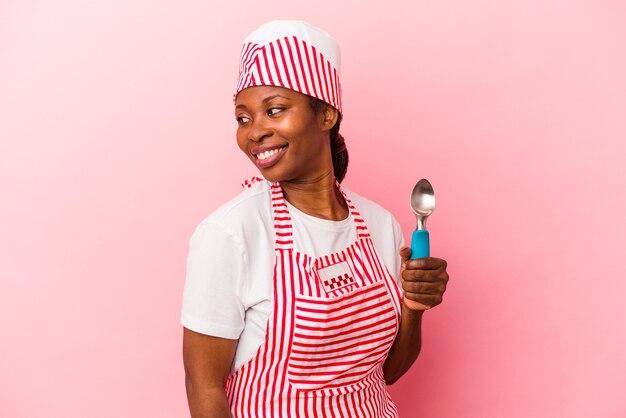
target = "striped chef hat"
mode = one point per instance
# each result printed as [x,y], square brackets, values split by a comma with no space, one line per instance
[293,54]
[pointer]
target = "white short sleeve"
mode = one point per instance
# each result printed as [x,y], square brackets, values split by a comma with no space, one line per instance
[212,296]
[399,238]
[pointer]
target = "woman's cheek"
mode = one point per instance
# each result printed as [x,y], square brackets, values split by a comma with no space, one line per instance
[241,143]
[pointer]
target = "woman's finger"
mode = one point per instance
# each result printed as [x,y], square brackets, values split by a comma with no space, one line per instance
[425,288]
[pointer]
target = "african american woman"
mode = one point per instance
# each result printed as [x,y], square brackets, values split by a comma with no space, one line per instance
[300,299]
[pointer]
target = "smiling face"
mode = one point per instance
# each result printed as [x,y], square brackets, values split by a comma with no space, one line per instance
[282,135]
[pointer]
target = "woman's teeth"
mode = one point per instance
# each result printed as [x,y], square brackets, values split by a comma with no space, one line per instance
[268,154]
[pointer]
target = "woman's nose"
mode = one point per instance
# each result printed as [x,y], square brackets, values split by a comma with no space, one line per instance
[259,131]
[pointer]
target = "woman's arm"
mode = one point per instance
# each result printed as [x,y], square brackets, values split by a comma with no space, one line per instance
[406,346]
[424,282]
[207,363]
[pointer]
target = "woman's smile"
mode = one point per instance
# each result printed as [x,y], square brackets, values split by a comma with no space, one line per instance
[269,156]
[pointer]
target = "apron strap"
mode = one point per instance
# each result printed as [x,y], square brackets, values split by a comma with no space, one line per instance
[361,226]
[247,184]
[283,227]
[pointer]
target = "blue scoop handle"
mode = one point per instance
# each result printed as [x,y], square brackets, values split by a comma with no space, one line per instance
[420,244]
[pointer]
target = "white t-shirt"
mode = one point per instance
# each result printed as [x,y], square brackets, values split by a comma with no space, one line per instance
[228,289]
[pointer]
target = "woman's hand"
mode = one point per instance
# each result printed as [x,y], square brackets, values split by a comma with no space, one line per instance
[424,281]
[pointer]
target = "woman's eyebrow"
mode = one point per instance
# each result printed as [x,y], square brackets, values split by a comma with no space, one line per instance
[267,99]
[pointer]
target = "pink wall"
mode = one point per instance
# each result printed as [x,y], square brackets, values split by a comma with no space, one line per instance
[117,137]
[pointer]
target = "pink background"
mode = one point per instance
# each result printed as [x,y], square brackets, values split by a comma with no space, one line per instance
[117,138]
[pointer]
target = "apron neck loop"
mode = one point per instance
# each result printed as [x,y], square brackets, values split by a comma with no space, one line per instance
[283,225]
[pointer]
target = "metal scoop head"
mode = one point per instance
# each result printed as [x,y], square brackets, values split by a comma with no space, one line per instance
[422,202]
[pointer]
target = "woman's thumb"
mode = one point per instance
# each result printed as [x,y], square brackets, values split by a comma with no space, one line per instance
[405,254]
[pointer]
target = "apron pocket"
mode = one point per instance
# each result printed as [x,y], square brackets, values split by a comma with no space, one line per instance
[338,342]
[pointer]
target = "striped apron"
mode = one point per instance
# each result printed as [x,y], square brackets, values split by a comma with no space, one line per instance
[333,321]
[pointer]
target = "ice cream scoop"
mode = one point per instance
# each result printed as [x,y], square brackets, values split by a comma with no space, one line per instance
[422,204]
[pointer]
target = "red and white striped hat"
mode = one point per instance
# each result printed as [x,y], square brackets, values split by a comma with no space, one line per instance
[293,54]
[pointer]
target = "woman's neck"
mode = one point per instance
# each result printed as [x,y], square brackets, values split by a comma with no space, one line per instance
[317,197]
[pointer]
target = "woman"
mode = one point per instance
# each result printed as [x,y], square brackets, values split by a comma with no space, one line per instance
[292,306]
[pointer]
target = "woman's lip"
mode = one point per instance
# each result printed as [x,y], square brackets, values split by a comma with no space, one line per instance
[270,161]
[258,150]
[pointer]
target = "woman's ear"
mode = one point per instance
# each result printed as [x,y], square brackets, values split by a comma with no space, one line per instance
[330,117]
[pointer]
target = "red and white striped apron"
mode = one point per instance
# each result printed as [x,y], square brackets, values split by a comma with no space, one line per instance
[334,319]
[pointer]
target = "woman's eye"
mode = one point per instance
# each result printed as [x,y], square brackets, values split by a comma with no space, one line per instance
[242,119]
[274,110]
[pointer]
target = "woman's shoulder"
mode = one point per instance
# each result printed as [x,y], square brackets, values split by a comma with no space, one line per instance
[370,210]
[251,207]
[385,230]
